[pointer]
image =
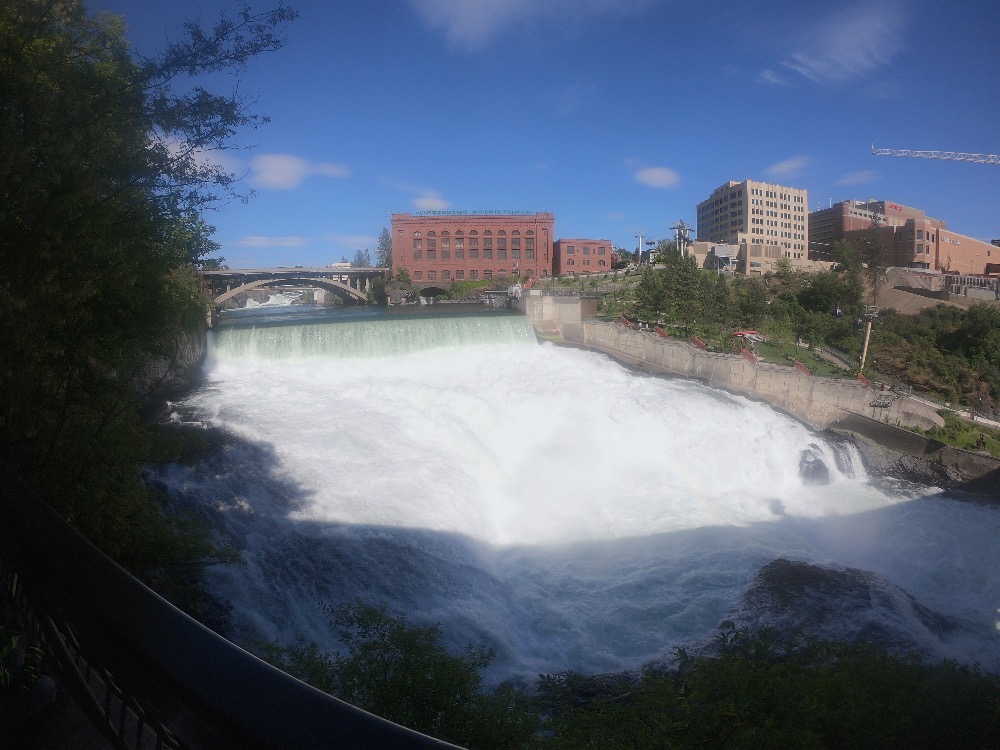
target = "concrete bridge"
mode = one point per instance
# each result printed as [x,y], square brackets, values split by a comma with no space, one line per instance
[350,284]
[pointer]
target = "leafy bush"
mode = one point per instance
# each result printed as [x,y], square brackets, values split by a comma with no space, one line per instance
[403,673]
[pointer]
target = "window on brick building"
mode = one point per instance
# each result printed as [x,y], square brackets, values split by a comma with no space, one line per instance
[515,255]
[487,274]
[473,254]
[445,275]
[418,275]
[418,254]
[460,255]
[501,243]
[529,254]
[501,253]
[459,275]
[445,253]
[473,274]
[432,275]
[432,255]
[487,254]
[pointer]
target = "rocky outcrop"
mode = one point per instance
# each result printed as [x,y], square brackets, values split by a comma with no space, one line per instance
[178,372]
[839,604]
[900,455]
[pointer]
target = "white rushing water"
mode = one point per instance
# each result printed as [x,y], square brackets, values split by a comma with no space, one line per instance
[540,499]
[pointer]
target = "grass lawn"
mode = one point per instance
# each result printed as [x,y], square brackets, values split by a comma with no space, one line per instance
[785,354]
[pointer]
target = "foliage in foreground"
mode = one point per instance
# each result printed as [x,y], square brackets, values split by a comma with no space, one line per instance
[403,673]
[102,185]
[756,691]
[759,692]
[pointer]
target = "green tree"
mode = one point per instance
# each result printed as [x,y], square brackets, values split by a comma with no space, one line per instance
[383,251]
[362,259]
[650,294]
[875,257]
[403,673]
[848,258]
[101,189]
[783,268]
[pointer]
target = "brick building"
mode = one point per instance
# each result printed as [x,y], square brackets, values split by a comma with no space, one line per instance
[582,256]
[438,247]
[913,239]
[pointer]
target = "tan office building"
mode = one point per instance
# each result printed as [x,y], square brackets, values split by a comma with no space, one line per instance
[764,220]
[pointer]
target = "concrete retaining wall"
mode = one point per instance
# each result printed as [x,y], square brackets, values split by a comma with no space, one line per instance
[819,402]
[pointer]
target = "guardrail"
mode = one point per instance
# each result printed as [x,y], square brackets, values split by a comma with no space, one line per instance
[218,688]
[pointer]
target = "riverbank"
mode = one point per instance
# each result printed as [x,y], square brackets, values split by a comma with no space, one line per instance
[874,421]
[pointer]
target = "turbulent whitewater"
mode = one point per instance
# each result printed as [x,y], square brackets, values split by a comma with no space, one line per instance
[539,499]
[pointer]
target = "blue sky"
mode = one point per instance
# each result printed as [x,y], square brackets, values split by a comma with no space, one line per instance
[617,115]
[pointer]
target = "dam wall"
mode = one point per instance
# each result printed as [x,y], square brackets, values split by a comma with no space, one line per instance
[819,402]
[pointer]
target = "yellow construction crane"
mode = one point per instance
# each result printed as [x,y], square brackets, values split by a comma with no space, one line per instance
[953,155]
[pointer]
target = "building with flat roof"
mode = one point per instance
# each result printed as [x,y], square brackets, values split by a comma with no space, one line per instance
[582,256]
[438,247]
[764,220]
[913,239]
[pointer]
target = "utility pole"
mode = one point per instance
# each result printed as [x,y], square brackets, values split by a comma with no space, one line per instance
[682,236]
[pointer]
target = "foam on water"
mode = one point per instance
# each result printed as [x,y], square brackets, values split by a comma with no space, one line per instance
[545,500]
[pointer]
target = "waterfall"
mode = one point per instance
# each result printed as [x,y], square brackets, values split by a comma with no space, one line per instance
[540,499]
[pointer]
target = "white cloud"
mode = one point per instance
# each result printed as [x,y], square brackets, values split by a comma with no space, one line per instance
[470,23]
[772,77]
[855,41]
[858,178]
[286,172]
[789,167]
[259,240]
[352,241]
[430,201]
[658,177]
[427,198]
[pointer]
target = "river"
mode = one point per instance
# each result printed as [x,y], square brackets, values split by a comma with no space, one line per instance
[542,500]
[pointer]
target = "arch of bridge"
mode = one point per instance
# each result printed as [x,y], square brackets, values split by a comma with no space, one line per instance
[342,290]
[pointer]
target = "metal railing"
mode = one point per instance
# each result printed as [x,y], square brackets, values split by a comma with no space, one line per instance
[212,688]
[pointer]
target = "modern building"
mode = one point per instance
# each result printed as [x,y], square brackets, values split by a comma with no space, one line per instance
[913,239]
[582,256]
[438,247]
[764,220]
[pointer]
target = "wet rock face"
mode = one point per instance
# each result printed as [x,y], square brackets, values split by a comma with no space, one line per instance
[839,604]
[812,469]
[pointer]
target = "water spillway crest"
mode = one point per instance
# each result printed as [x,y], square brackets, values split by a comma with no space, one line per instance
[544,500]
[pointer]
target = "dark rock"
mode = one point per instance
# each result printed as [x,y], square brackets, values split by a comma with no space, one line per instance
[845,604]
[812,469]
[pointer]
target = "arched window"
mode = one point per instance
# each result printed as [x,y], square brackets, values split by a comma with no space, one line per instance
[417,234]
[515,233]
[502,233]
[444,233]
[474,233]
[487,233]
[431,233]
[459,233]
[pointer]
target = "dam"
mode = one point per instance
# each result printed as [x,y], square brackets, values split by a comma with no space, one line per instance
[544,501]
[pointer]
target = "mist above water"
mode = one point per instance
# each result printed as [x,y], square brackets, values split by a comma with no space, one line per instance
[543,500]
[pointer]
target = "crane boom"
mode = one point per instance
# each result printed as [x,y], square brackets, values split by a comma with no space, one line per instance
[953,155]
